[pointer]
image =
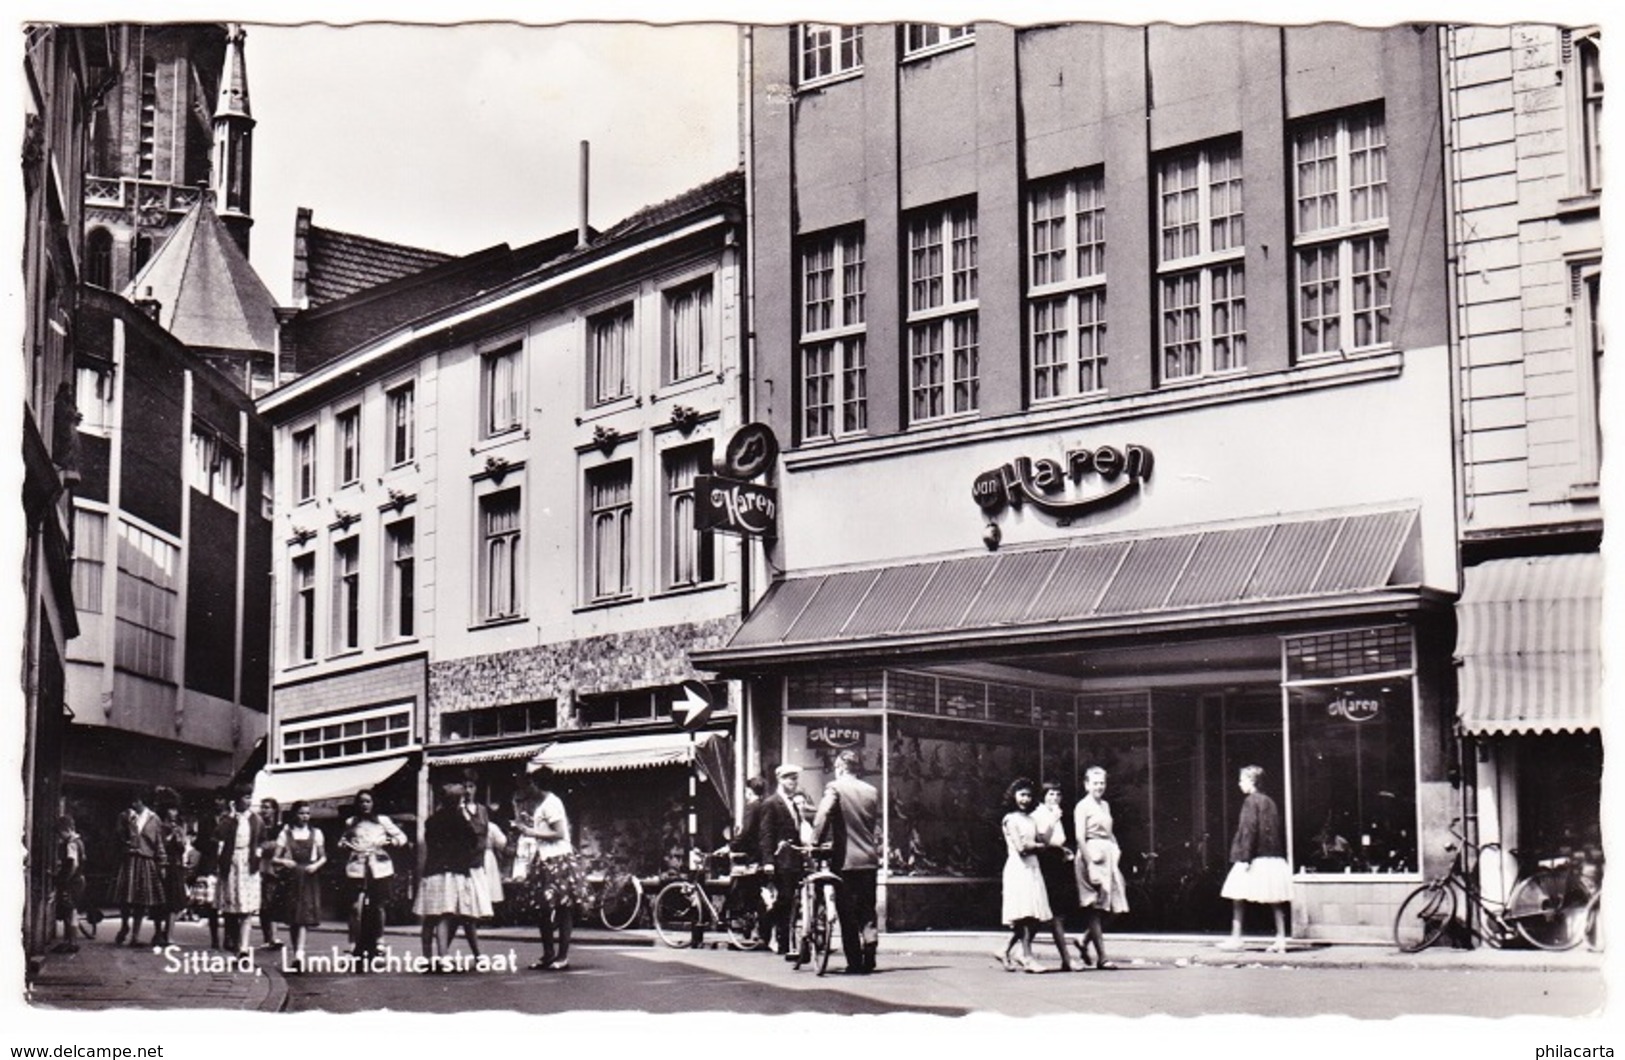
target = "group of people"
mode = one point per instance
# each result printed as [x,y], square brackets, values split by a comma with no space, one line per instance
[1046,879]
[778,829]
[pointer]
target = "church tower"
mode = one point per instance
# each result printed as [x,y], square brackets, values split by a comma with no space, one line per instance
[234,143]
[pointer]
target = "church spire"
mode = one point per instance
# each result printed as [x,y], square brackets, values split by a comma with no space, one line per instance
[233,142]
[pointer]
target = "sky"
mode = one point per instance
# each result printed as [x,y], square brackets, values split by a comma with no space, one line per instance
[457,138]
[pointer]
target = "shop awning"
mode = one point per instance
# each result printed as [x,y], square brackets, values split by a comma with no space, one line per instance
[1529,640]
[490,754]
[606,754]
[1188,578]
[324,782]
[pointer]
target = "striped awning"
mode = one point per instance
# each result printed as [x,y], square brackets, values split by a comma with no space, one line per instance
[608,754]
[1530,644]
[1182,578]
[325,782]
[510,753]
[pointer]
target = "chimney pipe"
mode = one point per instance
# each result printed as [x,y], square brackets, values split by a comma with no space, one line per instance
[581,229]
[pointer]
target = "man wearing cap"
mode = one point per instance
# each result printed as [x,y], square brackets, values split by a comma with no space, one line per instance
[778,829]
[850,810]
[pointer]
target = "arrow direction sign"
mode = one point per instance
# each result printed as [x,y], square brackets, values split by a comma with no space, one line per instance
[694,706]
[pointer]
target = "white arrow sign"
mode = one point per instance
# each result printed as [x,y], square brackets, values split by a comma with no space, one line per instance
[695,706]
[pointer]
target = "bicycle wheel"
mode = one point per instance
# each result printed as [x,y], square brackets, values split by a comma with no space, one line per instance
[1594,935]
[1548,909]
[677,911]
[620,901]
[824,935]
[801,929]
[1423,917]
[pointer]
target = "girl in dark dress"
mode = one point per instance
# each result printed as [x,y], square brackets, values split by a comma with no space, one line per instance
[139,887]
[172,831]
[300,854]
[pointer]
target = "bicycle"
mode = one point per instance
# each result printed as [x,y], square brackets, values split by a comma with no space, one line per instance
[683,909]
[615,899]
[1546,909]
[814,918]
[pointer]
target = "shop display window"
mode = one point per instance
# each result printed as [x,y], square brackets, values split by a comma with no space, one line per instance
[1353,752]
[947,781]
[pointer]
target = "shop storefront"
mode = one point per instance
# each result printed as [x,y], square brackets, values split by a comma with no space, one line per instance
[1306,646]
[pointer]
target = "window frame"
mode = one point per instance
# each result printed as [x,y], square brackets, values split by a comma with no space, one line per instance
[302,608]
[1583,57]
[840,38]
[618,513]
[394,731]
[400,581]
[942,313]
[304,464]
[95,392]
[347,445]
[345,623]
[1068,276]
[1327,274]
[1212,266]
[947,37]
[89,559]
[673,331]
[620,321]
[502,401]
[833,322]
[683,548]
[400,401]
[508,605]
[1587,320]
[154,611]
[217,468]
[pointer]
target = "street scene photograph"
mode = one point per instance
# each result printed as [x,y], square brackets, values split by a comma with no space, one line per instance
[1090,524]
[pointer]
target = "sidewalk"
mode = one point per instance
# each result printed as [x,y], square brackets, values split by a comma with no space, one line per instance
[104,976]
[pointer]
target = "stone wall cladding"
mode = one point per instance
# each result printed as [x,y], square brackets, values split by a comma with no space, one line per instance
[634,659]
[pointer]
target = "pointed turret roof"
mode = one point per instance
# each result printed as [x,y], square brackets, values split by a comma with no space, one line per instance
[234,79]
[209,296]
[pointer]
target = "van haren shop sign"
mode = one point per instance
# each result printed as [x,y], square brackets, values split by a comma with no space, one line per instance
[1043,483]
[731,506]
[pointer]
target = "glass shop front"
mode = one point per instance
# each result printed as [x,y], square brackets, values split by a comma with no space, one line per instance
[1332,715]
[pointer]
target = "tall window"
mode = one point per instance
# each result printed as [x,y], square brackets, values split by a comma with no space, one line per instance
[148,575]
[1585,313]
[99,258]
[609,531]
[609,342]
[500,566]
[922,36]
[688,556]
[94,394]
[402,403]
[304,463]
[302,627]
[1340,170]
[1201,277]
[217,468]
[89,559]
[502,389]
[690,331]
[346,594]
[944,350]
[1066,287]
[827,50]
[834,373]
[1585,72]
[347,440]
[401,580]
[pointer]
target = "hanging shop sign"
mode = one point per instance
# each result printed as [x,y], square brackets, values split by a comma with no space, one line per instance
[750,452]
[730,506]
[1043,483]
[1354,708]
[834,737]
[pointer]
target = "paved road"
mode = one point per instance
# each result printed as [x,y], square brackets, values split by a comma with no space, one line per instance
[659,980]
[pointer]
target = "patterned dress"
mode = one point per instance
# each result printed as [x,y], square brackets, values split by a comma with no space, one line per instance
[239,889]
[140,880]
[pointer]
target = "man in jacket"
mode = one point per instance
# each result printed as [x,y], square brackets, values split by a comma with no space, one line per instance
[778,830]
[850,811]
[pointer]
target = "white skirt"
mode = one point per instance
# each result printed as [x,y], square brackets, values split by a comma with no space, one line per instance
[453,894]
[1267,881]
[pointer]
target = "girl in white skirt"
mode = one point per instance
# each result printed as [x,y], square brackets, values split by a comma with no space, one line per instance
[450,897]
[1258,872]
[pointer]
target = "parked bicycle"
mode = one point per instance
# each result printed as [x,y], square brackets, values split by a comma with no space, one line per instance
[615,899]
[683,909]
[1547,908]
[813,919]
